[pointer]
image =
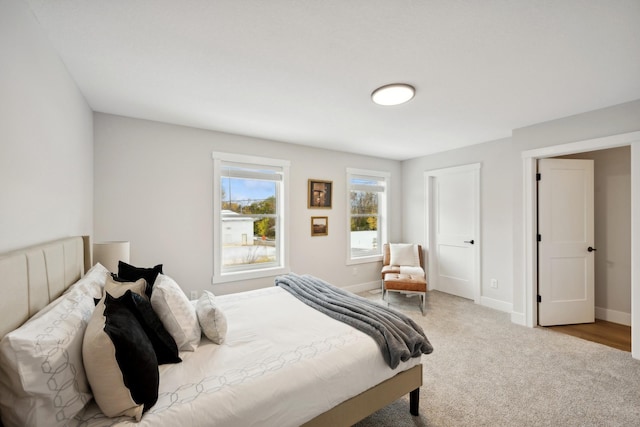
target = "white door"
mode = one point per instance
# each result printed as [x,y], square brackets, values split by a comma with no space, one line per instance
[454,236]
[566,242]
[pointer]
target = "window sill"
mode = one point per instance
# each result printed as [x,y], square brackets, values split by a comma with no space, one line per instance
[248,275]
[364,260]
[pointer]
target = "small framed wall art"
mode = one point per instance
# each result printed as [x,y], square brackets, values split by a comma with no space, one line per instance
[319,225]
[319,194]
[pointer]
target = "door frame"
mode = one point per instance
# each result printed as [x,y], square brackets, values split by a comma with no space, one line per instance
[529,204]
[430,236]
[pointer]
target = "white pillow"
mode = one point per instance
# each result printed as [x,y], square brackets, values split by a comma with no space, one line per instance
[43,380]
[404,254]
[117,289]
[212,320]
[120,362]
[176,312]
[92,282]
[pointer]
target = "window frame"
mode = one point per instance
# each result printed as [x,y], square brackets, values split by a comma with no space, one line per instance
[383,213]
[282,206]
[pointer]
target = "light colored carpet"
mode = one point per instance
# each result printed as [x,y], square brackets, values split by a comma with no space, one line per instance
[487,371]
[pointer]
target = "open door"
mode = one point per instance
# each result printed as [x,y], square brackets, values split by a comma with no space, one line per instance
[565,242]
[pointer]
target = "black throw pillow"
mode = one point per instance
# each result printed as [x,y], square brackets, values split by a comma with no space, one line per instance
[163,343]
[134,352]
[129,273]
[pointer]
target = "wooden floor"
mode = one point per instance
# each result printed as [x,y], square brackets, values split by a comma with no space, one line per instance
[603,332]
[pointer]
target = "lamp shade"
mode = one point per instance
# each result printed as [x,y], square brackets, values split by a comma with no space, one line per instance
[109,253]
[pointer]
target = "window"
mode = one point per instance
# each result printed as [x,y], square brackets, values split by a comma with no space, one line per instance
[250,210]
[367,192]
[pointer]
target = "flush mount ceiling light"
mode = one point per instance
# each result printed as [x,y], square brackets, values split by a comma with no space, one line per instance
[393,94]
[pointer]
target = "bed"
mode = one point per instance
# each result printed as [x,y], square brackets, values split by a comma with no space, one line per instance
[270,370]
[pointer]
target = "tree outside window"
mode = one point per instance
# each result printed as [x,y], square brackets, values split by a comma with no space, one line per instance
[248,219]
[367,215]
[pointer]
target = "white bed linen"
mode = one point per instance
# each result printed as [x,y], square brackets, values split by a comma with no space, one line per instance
[282,364]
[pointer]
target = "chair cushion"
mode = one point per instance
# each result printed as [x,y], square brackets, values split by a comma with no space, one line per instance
[390,269]
[405,282]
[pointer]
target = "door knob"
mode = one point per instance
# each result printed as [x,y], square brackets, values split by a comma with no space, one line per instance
[471,241]
[590,249]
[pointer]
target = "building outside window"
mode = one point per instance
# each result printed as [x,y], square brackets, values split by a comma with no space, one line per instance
[250,211]
[367,217]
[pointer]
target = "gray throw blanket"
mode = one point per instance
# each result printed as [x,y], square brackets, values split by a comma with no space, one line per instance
[397,335]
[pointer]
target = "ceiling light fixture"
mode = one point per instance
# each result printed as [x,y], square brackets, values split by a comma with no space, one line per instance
[393,94]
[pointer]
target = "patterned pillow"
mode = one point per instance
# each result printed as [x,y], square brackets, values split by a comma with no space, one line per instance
[92,283]
[212,320]
[42,380]
[119,359]
[178,315]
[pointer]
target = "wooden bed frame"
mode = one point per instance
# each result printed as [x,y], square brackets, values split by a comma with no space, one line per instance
[31,278]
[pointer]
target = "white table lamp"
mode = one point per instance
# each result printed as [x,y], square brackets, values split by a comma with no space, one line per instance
[109,253]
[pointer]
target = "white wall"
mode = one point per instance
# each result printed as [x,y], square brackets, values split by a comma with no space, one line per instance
[502,191]
[610,121]
[496,188]
[153,187]
[46,139]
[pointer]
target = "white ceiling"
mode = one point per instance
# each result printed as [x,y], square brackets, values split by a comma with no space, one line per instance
[302,71]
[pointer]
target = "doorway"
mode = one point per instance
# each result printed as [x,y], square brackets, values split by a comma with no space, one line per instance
[612,214]
[601,331]
[453,230]
[529,297]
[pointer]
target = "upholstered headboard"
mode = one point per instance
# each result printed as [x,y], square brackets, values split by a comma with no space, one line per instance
[31,278]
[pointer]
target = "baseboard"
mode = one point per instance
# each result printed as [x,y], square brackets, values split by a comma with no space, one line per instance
[518,318]
[613,316]
[361,287]
[496,304]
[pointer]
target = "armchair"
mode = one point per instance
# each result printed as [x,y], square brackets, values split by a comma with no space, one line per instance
[403,271]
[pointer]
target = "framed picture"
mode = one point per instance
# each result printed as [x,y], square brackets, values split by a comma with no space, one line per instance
[319,225]
[319,194]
